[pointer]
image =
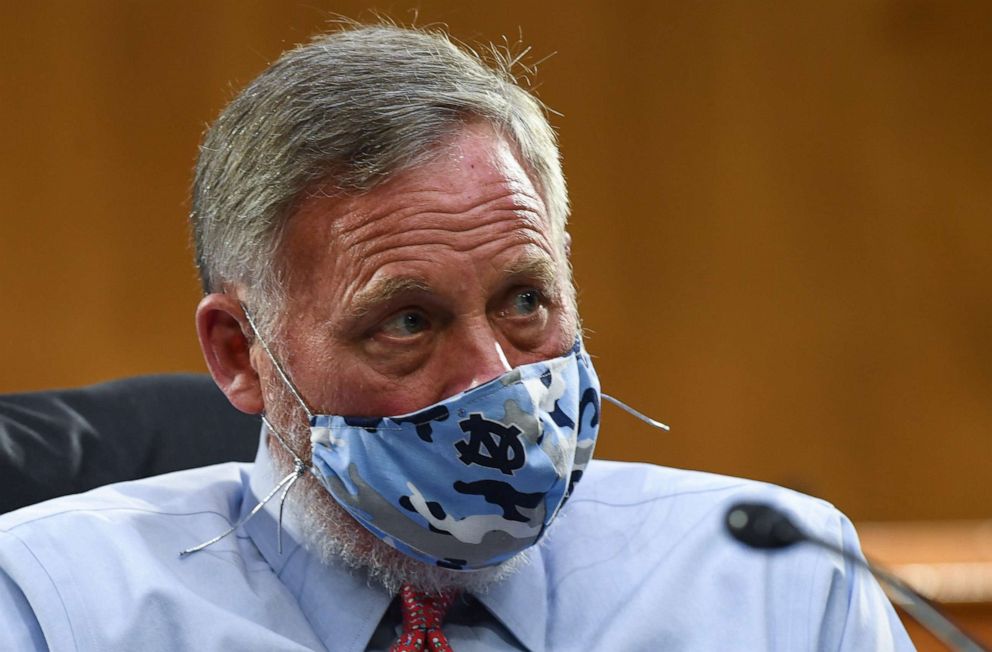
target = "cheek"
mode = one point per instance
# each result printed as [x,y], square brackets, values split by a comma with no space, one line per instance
[355,390]
[569,327]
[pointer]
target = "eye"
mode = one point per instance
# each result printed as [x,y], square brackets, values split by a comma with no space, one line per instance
[524,302]
[406,323]
[527,301]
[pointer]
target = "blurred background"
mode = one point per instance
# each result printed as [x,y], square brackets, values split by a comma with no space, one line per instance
[782,228]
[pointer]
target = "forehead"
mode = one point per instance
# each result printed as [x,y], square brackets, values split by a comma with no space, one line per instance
[474,175]
[472,204]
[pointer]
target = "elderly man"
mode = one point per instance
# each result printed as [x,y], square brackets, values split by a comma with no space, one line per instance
[380,227]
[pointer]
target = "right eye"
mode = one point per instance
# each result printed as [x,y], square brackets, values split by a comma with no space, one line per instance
[406,323]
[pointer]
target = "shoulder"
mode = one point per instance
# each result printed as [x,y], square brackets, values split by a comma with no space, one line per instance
[653,538]
[124,518]
[685,496]
[97,564]
[681,510]
[114,514]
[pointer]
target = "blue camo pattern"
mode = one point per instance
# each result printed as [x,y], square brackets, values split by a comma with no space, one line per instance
[471,481]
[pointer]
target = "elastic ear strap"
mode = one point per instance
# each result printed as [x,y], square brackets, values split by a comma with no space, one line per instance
[275,363]
[279,438]
[631,411]
[286,482]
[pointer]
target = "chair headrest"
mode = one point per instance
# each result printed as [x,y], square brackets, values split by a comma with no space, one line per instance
[66,441]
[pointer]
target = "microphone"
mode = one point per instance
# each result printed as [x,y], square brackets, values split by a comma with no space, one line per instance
[761,526]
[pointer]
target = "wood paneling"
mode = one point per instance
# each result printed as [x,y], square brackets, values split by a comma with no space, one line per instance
[781,221]
[949,562]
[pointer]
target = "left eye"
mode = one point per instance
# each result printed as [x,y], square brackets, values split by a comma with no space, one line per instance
[526,302]
[406,324]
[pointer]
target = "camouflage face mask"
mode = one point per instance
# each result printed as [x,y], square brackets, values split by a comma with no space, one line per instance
[468,482]
[471,481]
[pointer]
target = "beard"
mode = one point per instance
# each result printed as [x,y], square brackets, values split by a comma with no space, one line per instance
[330,533]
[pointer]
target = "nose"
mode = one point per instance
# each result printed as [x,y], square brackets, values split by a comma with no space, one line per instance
[473,359]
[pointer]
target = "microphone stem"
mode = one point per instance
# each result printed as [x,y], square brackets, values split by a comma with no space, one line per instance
[915,604]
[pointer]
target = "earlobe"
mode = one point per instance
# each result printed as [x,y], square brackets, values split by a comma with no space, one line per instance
[227,351]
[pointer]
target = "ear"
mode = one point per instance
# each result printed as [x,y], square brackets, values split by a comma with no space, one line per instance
[219,320]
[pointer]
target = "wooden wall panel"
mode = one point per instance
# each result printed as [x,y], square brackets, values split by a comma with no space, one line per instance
[781,218]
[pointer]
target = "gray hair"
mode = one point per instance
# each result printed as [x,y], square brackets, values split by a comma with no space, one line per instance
[351,108]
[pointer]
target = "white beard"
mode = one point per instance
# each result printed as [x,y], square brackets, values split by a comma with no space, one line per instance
[333,535]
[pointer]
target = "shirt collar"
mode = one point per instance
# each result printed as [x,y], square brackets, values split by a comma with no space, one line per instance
[341,604]
[520,601]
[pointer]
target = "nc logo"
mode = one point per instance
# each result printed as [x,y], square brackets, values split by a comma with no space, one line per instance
[503,449]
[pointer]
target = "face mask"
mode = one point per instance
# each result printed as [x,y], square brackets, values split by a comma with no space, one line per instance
[470,481]
[474,479]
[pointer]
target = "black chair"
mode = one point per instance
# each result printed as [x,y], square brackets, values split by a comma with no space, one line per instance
[61,442]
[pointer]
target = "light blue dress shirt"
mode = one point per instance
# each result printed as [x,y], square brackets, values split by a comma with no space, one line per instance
[638,560]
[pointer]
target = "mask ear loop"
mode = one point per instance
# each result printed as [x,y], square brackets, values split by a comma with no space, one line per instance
[629,410]
[275,363]
[288,482]
[299,466]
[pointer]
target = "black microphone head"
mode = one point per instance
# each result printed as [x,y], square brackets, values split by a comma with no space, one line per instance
[759,525]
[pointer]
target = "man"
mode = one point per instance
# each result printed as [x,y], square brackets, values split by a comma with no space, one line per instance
[379,221]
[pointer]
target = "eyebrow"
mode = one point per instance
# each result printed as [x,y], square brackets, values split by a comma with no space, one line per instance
[382,291]
[539,268]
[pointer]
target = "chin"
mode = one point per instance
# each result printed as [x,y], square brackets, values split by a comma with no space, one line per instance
[330,533]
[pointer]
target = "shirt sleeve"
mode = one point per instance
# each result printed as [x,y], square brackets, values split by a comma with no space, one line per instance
[869,622]
[31,608]
[19,628]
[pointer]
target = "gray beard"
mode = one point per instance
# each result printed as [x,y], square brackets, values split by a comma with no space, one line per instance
[334,536]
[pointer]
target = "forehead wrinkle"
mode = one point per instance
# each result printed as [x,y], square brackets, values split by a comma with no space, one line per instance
[516,230]
[431,201]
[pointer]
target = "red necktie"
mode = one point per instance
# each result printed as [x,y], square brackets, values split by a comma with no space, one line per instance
[422,618]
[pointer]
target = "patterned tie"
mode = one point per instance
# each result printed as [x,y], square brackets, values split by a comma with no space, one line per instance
[422,618]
